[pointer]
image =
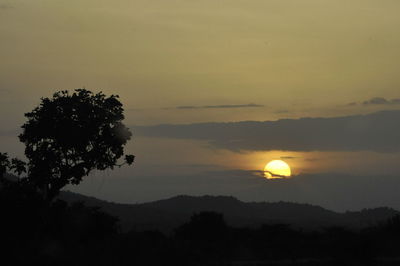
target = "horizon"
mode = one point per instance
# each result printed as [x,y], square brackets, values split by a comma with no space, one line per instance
[230,197]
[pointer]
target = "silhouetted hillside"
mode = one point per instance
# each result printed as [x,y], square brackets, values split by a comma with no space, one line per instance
[168,214]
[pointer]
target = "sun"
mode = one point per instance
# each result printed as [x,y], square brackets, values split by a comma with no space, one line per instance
[277,169]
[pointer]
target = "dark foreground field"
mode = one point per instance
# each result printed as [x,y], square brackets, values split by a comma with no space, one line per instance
[60,233]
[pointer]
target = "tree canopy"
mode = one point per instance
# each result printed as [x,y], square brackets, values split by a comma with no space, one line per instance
[69,135]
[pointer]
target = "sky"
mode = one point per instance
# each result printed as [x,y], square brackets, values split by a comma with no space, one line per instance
[203,68]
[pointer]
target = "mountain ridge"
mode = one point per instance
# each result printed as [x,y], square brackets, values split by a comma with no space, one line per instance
[167,214]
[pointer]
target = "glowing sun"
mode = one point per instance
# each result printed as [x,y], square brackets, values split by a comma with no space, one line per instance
[277,169]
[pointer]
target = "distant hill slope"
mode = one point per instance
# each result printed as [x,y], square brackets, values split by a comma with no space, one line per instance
[165,215]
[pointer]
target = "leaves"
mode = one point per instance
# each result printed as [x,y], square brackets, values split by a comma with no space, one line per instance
[15,166]
[18,166]
[129,159]
[71,134]
[4,164]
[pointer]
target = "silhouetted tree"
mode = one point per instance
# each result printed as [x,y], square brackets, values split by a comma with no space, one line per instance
[207,226]
[14,165]
[67,136]
[205,238]
[71,134]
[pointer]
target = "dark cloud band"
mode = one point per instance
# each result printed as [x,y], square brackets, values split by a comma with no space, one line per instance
[381,101]
[378,132]
[225,106]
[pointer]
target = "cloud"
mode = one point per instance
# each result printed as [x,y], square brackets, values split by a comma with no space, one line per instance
[395,101]
[288,157]
[376,100]
[224,106]
[195,165]
[377,132]
[282,112]
[381,101]
[312,159]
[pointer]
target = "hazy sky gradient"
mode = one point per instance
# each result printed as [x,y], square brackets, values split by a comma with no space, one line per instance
[186,61]
[284,54]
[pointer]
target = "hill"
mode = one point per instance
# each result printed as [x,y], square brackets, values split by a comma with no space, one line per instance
[165,215]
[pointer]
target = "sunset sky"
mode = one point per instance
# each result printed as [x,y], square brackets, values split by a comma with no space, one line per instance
[186,63]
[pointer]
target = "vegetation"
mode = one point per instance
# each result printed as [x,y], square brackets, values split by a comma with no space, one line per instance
[66,137]
[70,135]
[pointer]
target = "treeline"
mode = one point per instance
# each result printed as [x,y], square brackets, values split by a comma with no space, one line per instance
[34,232]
